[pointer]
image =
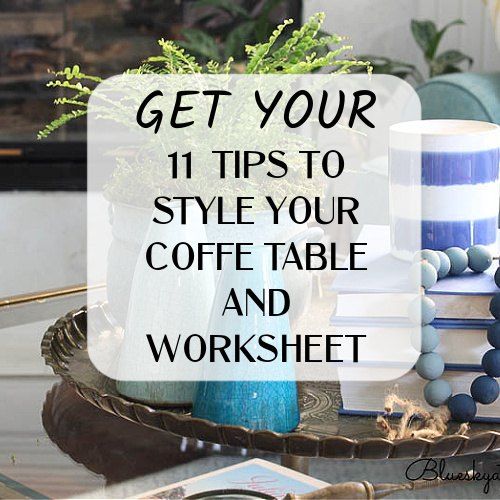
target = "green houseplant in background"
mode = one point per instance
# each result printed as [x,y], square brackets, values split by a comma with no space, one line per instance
[428,38]
[303,50]
[226,27]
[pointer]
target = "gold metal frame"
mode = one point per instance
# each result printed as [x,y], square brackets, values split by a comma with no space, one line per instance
[47,294]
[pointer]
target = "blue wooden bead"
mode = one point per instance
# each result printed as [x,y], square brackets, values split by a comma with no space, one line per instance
[437,392]
[430,365]
[424,338]
[424,273]
[484,390]
[445,265]
[480,258]
[494,334]
[422,310]
[491,362]
[430,256]
[429,339]
[495,306]
[458,260]
[462,408]
[497,277]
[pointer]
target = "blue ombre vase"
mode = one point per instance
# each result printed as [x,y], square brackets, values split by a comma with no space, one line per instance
[444,184]
[254,395]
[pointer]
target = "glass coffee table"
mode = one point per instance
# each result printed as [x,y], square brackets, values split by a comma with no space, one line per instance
[54,444]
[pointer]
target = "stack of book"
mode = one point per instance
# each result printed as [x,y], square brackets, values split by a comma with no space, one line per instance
[462,319]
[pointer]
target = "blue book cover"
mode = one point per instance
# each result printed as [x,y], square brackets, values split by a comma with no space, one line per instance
[368,413]
[462,324]
[468,283]
[379,261]
[439,323]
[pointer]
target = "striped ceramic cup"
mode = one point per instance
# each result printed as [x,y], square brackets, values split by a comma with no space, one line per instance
[443,184]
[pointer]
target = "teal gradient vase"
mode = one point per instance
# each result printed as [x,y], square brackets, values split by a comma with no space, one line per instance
[255,395]
[270,405]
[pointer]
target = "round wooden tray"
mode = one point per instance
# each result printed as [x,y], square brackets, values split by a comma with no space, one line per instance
[322,431]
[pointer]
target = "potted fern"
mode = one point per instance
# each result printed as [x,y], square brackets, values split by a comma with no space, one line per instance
[304,50]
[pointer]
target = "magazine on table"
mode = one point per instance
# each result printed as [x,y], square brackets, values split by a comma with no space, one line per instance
[256,478]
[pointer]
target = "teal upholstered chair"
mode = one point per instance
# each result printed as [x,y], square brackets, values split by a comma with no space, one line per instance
[467,96]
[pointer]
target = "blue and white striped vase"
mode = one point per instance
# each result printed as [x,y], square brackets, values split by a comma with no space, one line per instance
[443,184]
[241,393]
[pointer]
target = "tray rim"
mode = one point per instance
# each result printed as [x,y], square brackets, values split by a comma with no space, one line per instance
[64,337]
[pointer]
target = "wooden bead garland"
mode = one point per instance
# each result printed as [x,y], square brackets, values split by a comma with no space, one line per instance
[430,365]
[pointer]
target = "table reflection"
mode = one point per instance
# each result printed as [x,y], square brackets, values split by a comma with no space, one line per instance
[112,446]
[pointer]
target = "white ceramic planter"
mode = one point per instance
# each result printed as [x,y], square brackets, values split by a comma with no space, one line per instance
[167,301]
